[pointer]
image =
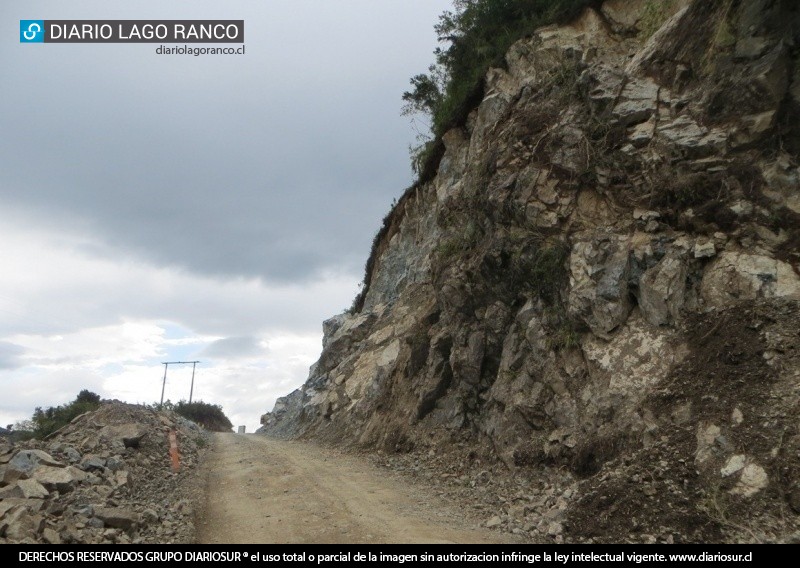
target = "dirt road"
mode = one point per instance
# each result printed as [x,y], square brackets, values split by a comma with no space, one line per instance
[266,491]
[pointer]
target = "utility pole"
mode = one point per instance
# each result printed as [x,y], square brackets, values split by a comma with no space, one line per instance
[191,389]
[164,383]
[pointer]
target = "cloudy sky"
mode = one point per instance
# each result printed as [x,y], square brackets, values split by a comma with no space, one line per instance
[166,207]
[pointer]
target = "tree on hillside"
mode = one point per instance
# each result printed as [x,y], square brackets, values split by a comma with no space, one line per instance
[474,37]
[209,416]
[48,420]
[88,396]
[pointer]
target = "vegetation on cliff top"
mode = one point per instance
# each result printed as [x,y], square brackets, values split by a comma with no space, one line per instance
[476,36]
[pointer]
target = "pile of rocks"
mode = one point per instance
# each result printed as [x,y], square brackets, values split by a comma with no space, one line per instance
[105,478]
[532,505]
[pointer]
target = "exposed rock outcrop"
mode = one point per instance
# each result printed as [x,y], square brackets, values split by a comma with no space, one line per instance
[604,272]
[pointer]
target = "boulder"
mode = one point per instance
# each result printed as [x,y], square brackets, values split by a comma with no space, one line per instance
[662,290]
[50,536]
[599,272]
[117,517]
[130,435]
[11,492]
[753,479]
[637,102]
[624,15]
[24,462]
[736,276]
[92,462]
[59,479]
[18,524]
[686,135]
[32,489]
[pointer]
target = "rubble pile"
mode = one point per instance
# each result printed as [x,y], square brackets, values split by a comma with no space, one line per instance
[106,477]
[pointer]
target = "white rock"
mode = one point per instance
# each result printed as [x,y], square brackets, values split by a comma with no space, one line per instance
[32,489]
[734,464]
[555,529]
[706,438]
[662,290]
[754,478]
[704,250]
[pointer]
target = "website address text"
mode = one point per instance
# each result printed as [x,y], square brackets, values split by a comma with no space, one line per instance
[196,51]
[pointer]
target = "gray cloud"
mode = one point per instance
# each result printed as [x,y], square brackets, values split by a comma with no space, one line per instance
[10,355]
[233,348]
[279,164]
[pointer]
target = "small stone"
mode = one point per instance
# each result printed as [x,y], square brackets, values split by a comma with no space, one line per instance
[32,489]
[92,463]
[493,522]
[737,417]
[115,463]
[794,500]
[122,478]
[645,215]
[95,523]
[555,529]
[753,480]
[150,516]
[704,250]
[651,227]
[72,454]
[735,464]
[50,536]
[110,534]
[117,517]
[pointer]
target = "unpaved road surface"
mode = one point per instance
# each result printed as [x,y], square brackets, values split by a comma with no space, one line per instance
[261,490]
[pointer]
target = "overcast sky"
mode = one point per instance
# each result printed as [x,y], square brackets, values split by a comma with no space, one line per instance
[168,207]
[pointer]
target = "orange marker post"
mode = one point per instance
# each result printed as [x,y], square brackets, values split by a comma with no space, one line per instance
[173,451]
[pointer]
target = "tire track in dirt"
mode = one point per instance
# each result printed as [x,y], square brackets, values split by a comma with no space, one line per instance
[260,490]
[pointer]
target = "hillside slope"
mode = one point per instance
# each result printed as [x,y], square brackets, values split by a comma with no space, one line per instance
[602,282]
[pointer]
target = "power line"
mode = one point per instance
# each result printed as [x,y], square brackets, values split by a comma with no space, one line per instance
[164,384]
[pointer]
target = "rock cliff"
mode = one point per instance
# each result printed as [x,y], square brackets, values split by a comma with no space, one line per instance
[601,279]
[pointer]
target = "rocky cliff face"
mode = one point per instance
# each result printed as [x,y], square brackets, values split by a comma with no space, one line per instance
[603,278]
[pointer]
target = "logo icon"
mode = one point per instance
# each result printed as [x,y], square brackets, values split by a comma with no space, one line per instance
[31,31]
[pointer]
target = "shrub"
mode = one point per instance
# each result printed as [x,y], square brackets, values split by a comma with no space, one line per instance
[209,416]
[48,420]
[88,397]
[477,35]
